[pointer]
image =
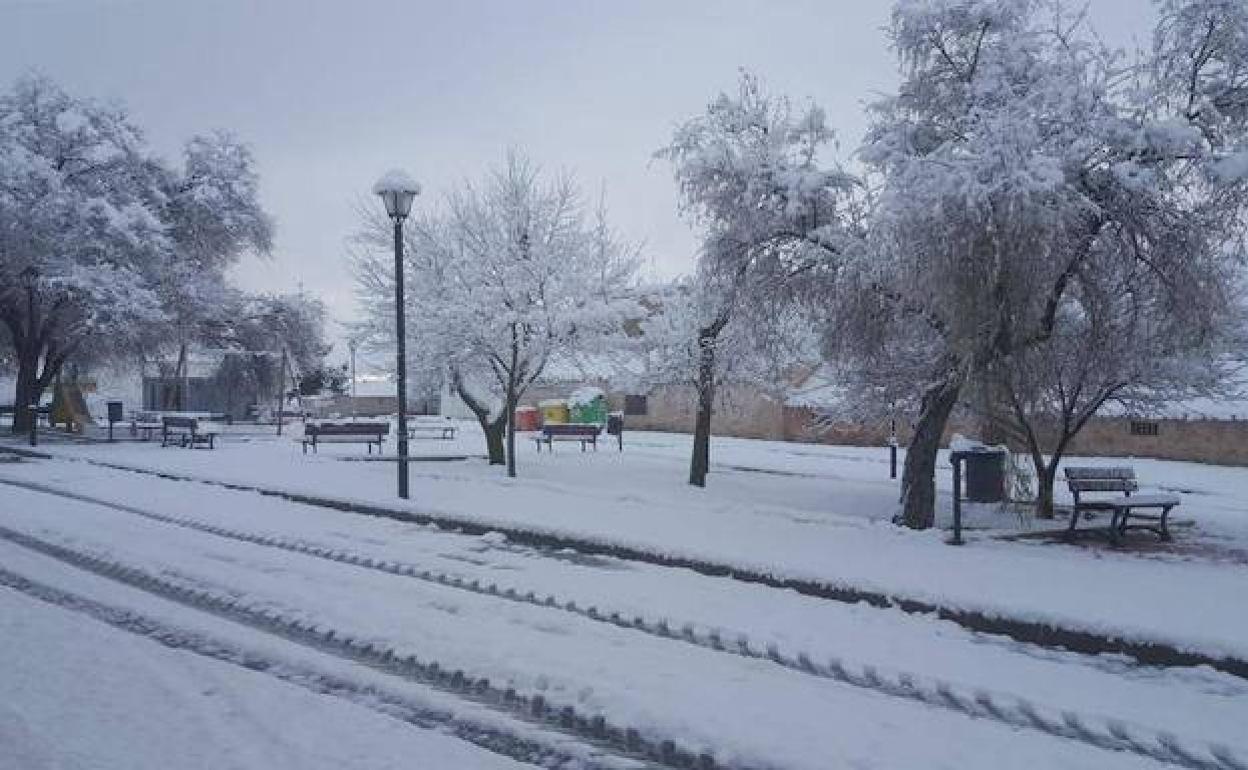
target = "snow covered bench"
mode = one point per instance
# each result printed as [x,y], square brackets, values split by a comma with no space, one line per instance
[432,425]
[187,431]
[368,433]
[147,423]
[586,433]
[1122,507]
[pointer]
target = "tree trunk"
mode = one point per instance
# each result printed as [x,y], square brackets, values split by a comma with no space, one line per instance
[494,430]
[510,422]
[918,476]
[700,462]
[180,373]
[494,435]
[27,392]
[1046,475]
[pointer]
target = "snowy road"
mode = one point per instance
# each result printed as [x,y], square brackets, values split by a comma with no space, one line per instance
[743,711]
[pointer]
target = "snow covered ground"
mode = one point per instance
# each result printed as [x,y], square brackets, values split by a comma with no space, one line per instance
[748,674]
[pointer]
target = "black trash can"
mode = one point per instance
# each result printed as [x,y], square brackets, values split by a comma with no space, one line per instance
[985,475]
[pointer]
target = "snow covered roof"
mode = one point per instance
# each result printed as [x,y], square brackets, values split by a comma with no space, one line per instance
[820,389]
[1190,409]
[373,385]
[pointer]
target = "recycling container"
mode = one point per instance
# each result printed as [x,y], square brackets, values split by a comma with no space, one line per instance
[554,410]
[528,418]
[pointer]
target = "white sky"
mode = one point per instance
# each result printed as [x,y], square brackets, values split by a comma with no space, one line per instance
[330,95]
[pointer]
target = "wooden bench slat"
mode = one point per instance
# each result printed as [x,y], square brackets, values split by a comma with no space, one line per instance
[1076,472]
[1102,485]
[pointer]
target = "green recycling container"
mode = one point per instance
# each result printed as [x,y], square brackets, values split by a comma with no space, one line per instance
[588,405]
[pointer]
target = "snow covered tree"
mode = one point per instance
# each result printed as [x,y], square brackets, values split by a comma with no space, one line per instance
[213,218]
[772,218]
[100,244]
[687,338]
[509,275]
[1115,339]
[1018,154]
[80,235]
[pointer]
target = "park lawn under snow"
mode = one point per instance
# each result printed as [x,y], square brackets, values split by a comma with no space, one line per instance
[791,509]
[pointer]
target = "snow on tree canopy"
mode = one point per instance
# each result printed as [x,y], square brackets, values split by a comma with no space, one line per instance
[396,180]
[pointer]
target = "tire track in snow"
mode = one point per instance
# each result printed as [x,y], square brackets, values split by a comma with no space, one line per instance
[1004,708]
[594,730]
[1040,634]
[392,705]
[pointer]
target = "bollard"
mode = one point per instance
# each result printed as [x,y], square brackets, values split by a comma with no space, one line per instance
[892,449]
[956,460]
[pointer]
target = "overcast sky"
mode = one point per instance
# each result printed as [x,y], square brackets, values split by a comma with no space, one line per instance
[330,95]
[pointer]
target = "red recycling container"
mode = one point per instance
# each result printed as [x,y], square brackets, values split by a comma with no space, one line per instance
[528,418]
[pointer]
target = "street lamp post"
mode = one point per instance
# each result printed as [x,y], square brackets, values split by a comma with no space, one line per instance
[30,279]
[397,190]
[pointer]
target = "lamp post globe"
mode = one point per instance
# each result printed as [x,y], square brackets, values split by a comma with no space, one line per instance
[397,190]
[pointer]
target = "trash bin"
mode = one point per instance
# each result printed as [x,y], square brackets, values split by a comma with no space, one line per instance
[588,405]
[528,418]
[985,475]
[554,410]
[615,423]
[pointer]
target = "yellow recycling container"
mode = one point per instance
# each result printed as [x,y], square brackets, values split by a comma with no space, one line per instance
[554,410]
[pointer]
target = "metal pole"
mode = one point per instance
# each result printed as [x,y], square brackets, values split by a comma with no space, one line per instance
[401,358]
[34,423]
[957,502]
[281,391]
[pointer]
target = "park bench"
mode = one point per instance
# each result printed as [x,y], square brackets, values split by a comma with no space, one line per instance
[1122,507]
[367,433]
[146,423]
[10,410]
[586,433]
[186,431]
[431,425]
